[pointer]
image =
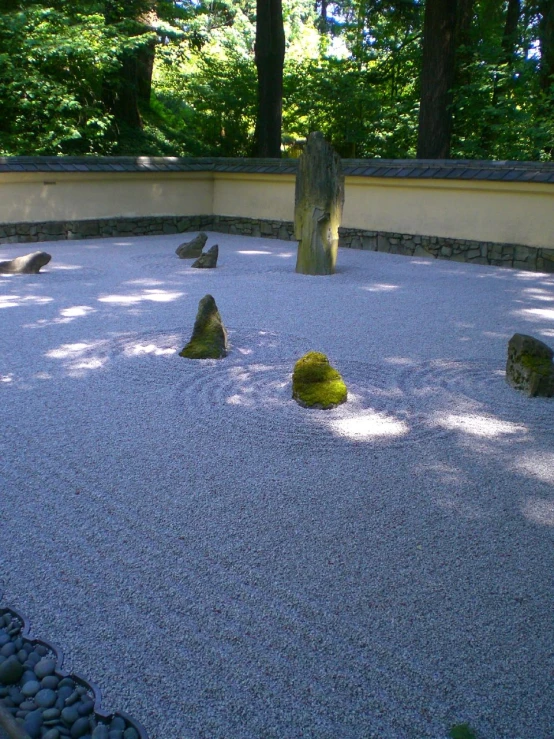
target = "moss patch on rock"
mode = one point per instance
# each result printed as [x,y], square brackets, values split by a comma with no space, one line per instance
[209,338]
[315,384]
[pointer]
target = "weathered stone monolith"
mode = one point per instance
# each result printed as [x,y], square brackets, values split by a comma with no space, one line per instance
[29,264]
[209,338]
[529,367]
[318,202]
[208,260]
[315,384]
[192,249]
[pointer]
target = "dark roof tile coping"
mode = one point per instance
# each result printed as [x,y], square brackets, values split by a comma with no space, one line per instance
[465,169]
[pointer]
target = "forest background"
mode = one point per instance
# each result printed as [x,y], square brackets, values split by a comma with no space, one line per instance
[179,78]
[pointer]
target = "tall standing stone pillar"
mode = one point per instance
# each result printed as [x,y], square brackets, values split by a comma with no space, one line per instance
[318,202]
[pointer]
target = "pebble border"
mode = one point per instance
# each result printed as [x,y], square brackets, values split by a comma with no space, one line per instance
[517,256]
[23,631]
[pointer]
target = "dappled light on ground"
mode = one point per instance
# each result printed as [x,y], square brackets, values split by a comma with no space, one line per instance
[484,426]
[539,511]
[379,288]
[539,465]
[368,426]
[153,295]
[14,301]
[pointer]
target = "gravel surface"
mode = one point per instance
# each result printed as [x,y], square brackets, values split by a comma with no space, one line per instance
[228,565]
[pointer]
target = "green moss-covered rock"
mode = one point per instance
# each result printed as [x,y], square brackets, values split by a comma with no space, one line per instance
[315,384]
[529,367]
[209,338]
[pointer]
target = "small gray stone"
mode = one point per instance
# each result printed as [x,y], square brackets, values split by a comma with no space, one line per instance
[192,249]
[80,728]
[51,734]
[130,733]
[116,734]
[28,705]
[50,681]
[70,714]
[208,260]
[9,649]
[30,688]
[73,698]
[44,667]
[11,671]
[85,707]
[33,723]
[118,724]
[101,732]
[45,698]
[50,713]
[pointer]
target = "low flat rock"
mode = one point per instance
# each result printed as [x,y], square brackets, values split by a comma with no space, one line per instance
[315,384]
[529,366]
[30,264]
[209,338]
[208,260]
[192,249]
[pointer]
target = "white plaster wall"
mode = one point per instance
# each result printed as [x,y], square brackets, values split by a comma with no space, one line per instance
[270,197]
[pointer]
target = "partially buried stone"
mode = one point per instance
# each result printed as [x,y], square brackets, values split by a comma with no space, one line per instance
[192,249]
[315,384]
[529,367]
[209,338]
[30,264]
[318,203]
[208,260]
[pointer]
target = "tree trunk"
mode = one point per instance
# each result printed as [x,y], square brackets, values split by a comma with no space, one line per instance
[546,40]
[437,79]
[269,55]
[510,35]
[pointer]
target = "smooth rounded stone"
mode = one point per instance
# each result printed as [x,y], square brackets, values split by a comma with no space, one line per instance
[11,671]
[8,702]
[30,688]
[70,714]
[208,260]
[44,667]
[67,682]
[18,643]
[51,734]
[4,638]
[20,714]
[45,698]
[209,337]
[33,723]
[80,728]
[22,656]
[131,733]
[118,724]
[9,649]
[50,681]
[73,698]
[28,705]
[32,660]
[64,691]
[17,697]
[101,732]
[28,676]
[315,384]
[50,713]
[117,734]
[41,650]
[85,707]
[4,691]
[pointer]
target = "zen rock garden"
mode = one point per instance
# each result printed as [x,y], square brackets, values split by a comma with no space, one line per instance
[30,264]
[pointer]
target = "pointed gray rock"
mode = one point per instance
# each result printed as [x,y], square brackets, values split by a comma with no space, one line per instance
[318,203]
[208,260]
[192,249]
[209,338]
[29,264]
[529,367]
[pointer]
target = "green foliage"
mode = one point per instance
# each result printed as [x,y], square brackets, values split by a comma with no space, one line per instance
[315,384]
[462,731]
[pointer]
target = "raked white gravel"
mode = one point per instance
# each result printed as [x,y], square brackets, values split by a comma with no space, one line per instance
[228,565]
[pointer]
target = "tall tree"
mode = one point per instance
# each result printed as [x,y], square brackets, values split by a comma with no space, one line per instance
[546,41]
[269,54]
[437,79]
